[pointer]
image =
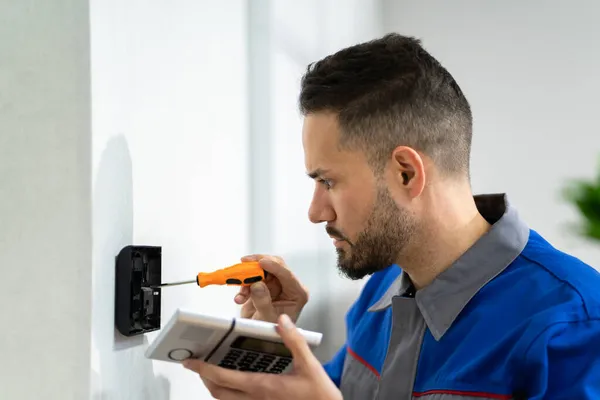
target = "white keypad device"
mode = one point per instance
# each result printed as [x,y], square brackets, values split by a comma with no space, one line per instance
[230,342]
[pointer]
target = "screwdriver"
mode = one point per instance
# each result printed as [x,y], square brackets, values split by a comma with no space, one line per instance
[242,274]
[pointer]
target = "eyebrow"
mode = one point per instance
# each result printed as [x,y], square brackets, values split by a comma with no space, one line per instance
[317,172]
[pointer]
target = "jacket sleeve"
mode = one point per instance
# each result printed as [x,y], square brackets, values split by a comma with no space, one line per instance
[564,362]
[335,366]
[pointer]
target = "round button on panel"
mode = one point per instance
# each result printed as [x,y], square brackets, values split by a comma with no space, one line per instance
[179,354]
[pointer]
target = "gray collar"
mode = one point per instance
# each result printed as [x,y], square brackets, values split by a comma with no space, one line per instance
[442,301]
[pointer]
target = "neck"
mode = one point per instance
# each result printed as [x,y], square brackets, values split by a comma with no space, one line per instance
[447,233]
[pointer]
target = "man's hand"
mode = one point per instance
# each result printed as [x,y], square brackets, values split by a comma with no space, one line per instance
[307,380]
[280,293]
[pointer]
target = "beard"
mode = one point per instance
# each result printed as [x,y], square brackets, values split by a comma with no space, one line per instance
[389,229]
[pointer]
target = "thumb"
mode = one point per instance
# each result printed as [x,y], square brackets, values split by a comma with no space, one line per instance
[261,299]
[295,342]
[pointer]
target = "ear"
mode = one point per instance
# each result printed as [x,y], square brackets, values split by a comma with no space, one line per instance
[408,170]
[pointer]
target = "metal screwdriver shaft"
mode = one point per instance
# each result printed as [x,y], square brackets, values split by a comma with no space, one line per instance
[173,284]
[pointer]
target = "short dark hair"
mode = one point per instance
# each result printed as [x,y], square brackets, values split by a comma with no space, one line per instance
[390,92]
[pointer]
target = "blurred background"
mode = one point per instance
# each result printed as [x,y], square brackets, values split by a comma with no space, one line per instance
[175,124]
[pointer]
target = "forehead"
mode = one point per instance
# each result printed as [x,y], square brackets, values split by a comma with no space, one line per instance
[320,138]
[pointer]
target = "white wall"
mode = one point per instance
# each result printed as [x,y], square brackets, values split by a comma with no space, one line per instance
[531,72]
[169,168]
[45,240]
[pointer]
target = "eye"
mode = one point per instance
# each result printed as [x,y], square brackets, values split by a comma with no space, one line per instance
[326,182]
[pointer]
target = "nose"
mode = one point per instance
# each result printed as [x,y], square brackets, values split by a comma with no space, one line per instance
[320,209]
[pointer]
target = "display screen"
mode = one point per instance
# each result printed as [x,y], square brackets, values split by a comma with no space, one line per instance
[262,346]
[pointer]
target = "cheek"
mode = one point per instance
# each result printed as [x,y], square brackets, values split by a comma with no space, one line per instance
[352,211]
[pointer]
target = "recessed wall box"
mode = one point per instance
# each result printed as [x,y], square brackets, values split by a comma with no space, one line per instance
[137,304]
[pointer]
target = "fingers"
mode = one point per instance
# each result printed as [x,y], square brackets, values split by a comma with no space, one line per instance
[272,264]
[218,376]
[295,342]
[272,280]
[287,280]
[239,298]
[282,286]
[252,257]
[261,300]
[248,309]
[226,384]
[223,393]
[277,268]
[242,296]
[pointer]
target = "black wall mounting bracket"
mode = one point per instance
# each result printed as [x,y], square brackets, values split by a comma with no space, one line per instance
[137,303]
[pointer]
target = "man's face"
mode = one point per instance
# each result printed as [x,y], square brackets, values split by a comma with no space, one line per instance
[369,229]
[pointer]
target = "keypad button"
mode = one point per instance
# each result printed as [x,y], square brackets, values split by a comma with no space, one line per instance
[232,355]
[255,362]
[262,365]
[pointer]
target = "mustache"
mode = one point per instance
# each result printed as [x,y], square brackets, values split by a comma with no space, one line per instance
[336,234]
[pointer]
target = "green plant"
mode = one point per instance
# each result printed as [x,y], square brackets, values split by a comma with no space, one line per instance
[584,195]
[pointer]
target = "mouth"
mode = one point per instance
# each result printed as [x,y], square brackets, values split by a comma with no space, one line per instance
[337,242]
[336,237]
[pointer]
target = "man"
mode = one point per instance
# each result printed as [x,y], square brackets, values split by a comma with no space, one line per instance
[464,301]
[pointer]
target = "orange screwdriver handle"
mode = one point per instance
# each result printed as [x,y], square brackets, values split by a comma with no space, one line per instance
[242,274]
